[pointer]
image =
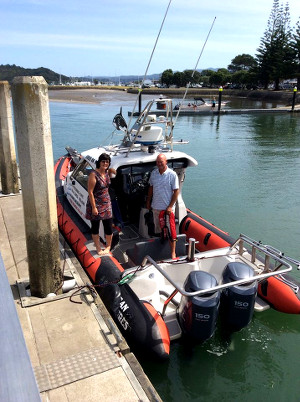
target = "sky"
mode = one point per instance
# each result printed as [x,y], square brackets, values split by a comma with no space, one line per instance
[115,37]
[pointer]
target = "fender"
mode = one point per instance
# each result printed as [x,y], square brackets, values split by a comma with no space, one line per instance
[282,292]
[209,236]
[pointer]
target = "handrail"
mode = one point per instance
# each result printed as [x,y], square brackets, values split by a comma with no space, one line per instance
[269,251]
[289,259]
[266,249]
[214,288]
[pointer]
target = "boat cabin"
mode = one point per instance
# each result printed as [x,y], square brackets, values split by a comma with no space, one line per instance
[129,188]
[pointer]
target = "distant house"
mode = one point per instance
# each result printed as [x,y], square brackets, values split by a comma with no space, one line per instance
[82,83]
[288,84]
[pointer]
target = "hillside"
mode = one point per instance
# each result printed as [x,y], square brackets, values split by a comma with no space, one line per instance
[8,72]
[123,78]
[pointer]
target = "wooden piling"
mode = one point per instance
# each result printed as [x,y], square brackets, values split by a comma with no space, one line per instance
[8,162]
[33,136]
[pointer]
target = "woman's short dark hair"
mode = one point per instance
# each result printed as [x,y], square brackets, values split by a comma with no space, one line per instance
[102,157]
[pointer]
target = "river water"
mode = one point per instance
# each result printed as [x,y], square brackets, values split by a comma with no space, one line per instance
[247,181]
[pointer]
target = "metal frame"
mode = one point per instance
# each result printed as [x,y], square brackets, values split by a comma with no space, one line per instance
[142,121]
[267,250]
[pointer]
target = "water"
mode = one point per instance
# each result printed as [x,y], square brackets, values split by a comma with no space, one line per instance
[247,180]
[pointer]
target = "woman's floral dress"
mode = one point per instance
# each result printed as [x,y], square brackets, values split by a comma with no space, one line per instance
[102,199]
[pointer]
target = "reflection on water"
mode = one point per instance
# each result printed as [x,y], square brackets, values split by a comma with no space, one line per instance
[239,103]
[247,180]
[246,103]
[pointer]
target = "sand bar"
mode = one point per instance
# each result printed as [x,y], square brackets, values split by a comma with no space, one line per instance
[97,96]
[93,96]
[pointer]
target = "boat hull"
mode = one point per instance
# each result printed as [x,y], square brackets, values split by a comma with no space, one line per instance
[140,323]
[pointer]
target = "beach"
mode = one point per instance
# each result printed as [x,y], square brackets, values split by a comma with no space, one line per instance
[86,95]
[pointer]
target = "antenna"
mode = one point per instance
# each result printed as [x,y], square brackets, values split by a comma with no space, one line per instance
[188,85]
[154,47]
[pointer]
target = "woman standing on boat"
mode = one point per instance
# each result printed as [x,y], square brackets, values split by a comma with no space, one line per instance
[98,205]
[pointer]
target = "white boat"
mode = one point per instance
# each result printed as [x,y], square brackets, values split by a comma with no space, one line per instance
[153,299]
[199,104]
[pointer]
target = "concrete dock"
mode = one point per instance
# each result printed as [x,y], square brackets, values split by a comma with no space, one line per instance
[75,349]
[210,111]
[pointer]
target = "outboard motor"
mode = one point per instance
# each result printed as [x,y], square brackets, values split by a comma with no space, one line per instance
[198,314]
[237,302]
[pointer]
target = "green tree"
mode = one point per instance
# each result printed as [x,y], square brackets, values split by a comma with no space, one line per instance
[197,77]
[167,77]
[205,75]
[191,76]
[244,79]
[296,47]
[242,62]
[178,79]
[221,77]
[188,77]
[275,55]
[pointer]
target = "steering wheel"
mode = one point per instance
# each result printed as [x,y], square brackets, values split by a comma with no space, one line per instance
[138,186]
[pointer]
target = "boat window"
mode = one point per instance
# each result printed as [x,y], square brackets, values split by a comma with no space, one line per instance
[81,174]
[148,167]
[137,169]
[178,163]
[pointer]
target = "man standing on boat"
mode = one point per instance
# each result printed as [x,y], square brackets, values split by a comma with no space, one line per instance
[163,192]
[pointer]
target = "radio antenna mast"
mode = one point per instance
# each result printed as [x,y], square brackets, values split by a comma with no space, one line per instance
[146,72]
[188,85]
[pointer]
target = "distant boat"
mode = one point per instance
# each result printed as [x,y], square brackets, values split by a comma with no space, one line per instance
[199,104]
[161,104]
